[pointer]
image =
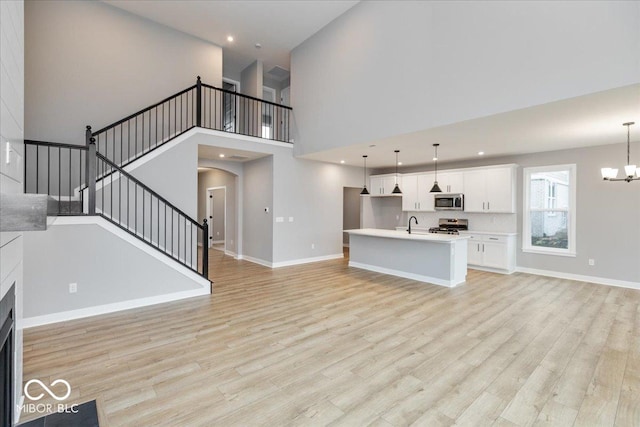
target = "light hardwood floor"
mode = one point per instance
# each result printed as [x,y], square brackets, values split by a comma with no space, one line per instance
[325,344]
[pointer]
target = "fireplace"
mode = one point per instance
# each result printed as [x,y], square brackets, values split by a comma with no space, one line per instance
[7,319]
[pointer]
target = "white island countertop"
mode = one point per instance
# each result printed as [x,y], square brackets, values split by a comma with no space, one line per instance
[398,234]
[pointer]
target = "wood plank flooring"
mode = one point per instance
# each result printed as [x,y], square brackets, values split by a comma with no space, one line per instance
[325,344]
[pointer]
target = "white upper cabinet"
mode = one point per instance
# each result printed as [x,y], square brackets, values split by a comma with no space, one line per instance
[415,192]
[382,185]
[490,190]
[451,182]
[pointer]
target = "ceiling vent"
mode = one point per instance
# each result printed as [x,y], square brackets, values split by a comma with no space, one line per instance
[278,73]
[236,157]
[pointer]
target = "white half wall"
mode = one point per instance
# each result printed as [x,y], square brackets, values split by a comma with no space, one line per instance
[386,68]
[112,270]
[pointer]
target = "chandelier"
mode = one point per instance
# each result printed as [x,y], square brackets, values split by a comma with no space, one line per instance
[611,174]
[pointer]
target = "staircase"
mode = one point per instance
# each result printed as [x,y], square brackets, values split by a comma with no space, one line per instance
[92,180]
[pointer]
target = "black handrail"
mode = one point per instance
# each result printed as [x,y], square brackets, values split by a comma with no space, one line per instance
[55,144]
[146,188]
[242,95]
[144,110]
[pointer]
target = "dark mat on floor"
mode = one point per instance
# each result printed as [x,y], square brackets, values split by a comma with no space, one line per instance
[87,416]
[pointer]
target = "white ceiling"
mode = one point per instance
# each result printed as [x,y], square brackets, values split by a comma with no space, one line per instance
[589,120]
[231,155]
[279,26]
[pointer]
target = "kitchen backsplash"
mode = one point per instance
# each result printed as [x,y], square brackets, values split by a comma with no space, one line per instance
[499,223]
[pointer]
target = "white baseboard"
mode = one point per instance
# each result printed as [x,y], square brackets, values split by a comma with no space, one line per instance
[255,260]
[64,316]
[306,260]
[215,242]
[290,262]
[580,278]
[490,269]
[231,253]
[412,276]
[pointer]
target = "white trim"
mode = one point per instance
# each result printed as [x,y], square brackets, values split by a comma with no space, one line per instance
[97,220]
[256,260]
[235,82]
[306,260]
[232,254]
[571,217]
[580,278]
[412,276]
[270,90]
[290,262]
[490,269]
[17,413]
[550,251]
[209,214]
[64,316]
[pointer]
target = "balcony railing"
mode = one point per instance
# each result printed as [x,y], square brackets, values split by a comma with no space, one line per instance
[200,105]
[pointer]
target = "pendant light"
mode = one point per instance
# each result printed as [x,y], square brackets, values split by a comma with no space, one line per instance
[396,190]
[436,187]
[610,174]
[364,191]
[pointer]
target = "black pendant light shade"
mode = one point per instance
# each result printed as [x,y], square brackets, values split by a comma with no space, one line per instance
[436,187]
[396,189]
[364,191]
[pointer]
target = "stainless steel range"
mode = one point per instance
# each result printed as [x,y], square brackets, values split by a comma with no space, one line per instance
[450,226]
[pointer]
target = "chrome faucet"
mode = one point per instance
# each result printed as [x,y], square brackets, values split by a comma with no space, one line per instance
[412,217]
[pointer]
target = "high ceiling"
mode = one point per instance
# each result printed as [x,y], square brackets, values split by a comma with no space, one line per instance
[589,120]
[279,26]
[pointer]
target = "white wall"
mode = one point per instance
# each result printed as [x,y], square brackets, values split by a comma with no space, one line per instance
[258,227]
[391,67]
[88,63]
[107,268]
[11,174]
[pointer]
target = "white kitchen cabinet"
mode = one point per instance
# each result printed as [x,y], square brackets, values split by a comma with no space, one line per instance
[382,185]
[415,192]
[490,190]
[451,182]
[492,252]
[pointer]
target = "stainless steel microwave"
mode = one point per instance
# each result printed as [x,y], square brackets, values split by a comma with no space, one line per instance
[449,202]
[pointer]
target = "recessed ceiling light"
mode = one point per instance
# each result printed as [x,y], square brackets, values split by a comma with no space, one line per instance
[221,155]
[434,159]
[480,153]
[258,46]
[229,38]
[342,162]
[399,163]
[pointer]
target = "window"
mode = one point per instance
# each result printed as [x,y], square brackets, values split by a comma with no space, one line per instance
[549,210]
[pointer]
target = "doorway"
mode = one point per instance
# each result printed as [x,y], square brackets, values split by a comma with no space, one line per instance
[216,217]
[350,211]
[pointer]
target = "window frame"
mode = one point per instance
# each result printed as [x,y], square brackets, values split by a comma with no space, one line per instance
[571,211]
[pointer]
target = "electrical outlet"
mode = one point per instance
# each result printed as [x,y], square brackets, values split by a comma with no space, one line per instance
[73,288]
[397,217]
[313,246]
[279,219]
[592,262]
[290,219]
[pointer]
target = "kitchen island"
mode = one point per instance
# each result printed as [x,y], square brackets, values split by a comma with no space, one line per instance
[433,258]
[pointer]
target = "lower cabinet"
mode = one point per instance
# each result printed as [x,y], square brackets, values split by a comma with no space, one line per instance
[493,252]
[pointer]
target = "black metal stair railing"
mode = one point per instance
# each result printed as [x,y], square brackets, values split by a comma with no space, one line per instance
[131,205]
[57,170]
[200,105]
